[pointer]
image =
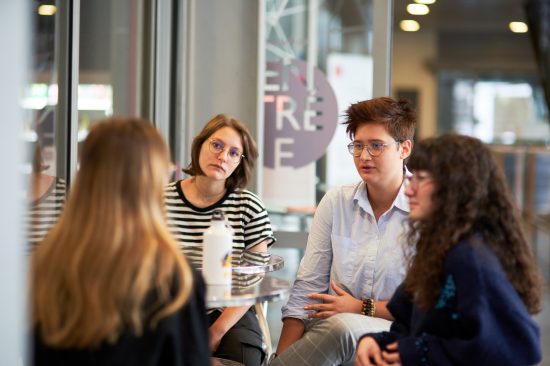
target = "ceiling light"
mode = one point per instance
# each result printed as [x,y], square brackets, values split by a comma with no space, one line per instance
[518,27]
[418,9]
[427,2]
[409,25]
[47,9]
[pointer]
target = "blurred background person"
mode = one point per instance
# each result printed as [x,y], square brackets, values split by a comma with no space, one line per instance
[45,197]
[108,284]
[472,282]
[222,159]
[46,192]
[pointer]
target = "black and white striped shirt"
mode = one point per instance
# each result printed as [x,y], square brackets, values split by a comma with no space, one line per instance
[244,211]
[43,213]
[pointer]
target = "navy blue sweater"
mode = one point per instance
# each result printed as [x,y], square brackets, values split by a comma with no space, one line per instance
[479,318]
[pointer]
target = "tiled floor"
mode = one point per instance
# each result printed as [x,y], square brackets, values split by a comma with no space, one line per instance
[541,246]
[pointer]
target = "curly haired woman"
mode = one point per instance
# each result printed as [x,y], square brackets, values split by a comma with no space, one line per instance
[472,282]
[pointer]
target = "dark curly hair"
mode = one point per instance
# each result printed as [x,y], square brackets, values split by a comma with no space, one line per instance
[470,198]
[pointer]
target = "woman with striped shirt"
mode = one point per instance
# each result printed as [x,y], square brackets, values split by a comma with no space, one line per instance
[222,159]
[44,208]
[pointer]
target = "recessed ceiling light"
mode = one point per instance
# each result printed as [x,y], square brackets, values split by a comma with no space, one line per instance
[418,9]
[409,25]
[518,27]
[427,2]
[47,9]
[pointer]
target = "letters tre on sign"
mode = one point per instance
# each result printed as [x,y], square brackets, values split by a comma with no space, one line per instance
[301,115]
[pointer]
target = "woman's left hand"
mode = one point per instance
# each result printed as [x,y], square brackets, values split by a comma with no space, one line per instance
[342,302]
[391,356]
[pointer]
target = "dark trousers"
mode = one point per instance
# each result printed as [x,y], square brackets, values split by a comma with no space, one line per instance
[243,342]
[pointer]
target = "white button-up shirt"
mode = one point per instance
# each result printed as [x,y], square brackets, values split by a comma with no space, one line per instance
[347,245]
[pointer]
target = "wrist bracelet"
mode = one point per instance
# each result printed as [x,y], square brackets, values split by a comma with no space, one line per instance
[368,307]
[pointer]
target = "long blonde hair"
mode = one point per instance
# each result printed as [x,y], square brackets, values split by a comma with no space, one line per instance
[110,263]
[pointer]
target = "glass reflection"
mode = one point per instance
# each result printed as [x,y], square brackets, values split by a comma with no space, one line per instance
[45,192]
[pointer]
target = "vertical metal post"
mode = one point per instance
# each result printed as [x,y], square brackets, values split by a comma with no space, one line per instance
[382,47]
[162,31]
[261,89]
[312,21]
[191,28]
[67,56]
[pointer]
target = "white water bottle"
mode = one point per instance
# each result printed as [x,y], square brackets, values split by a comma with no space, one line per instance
[217,249]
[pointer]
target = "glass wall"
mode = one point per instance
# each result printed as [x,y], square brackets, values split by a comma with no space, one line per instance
[111,40]
[500,111]
[319,59]
[45,182]
[509,113]
[87,64]
[40,97]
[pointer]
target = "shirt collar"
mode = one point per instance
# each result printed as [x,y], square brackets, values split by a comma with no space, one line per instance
[400,202]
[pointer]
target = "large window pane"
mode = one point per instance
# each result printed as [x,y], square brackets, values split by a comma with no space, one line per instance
[318,61]
[110,48]
[45,188]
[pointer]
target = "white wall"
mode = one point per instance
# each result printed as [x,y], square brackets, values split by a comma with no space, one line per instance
[223,62]
[14,31]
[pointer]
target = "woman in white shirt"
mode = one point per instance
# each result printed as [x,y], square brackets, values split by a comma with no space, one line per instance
[353,260]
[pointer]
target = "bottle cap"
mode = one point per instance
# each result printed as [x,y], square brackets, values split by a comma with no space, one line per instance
[218,215]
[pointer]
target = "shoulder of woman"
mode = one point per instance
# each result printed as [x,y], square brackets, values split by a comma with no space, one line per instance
[246,194]
[471,255]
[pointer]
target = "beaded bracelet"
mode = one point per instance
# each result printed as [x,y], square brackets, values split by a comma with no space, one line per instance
[368,307]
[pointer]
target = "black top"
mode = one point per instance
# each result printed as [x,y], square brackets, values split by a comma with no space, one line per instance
[177,340]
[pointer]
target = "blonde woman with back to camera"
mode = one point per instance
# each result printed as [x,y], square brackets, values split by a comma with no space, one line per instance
[108,284]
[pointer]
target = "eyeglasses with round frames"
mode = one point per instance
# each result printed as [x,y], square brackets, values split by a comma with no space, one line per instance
[234,155]
[373,148]
[417,180]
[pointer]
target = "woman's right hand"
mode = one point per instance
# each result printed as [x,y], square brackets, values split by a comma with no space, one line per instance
[368,350]
[215,337]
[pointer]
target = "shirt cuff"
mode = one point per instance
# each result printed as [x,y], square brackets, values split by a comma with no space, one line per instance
[256,258]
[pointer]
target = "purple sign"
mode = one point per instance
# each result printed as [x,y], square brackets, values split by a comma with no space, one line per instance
[299,123]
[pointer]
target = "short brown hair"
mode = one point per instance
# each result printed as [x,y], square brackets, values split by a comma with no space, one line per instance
[241,175]
[399,117]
